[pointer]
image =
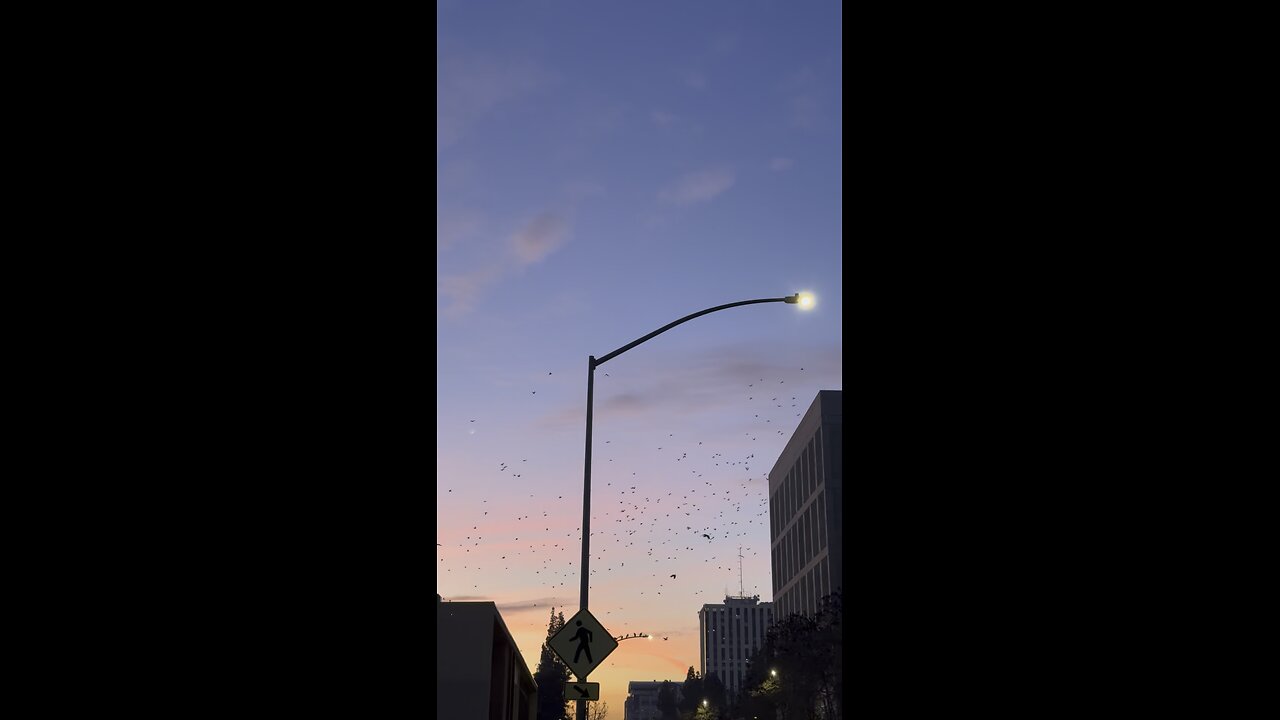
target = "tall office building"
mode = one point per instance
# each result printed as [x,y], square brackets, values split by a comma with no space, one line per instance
[728,634]
[806,488]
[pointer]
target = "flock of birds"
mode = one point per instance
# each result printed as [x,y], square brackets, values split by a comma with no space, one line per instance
[690,504]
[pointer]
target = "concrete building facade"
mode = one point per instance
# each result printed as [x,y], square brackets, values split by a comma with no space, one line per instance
[728,634]
[479,671]
[806,491]
[642,699]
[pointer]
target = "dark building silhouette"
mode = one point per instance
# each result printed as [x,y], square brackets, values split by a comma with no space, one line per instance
[479,671]
[728,634]
[642,699]
[806,487]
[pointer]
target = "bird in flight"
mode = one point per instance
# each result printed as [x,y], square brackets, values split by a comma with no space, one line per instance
[673,576]
[706,536]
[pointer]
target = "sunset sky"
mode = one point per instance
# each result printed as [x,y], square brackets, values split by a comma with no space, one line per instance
[603,169]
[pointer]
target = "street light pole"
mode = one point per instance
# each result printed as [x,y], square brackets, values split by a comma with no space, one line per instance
[592,364]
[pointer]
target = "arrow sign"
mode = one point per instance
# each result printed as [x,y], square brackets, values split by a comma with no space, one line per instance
[583,643]
[581,691]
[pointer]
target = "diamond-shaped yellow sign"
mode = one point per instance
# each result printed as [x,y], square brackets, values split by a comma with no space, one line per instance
[583,643]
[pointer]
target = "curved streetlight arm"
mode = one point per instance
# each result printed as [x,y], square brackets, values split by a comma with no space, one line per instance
[592,363]
[596,362]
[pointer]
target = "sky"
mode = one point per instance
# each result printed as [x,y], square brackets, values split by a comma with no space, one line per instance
[602,169]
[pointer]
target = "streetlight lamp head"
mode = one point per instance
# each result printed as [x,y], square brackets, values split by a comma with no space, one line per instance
[803,299]
[773,673]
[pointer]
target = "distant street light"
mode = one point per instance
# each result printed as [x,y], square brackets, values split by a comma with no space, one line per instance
[804,300]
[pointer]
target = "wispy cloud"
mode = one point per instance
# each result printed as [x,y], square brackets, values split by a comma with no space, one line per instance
[540,604]
[694,79]
[533,242]
[579,190]
[463,290]
[662,118]
[539,238]
[454,228]
[471,84]
[724,42]
[697,187]
[699,383]
[806,111]
[807,95]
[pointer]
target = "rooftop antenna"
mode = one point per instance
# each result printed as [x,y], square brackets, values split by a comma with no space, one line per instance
[741,593]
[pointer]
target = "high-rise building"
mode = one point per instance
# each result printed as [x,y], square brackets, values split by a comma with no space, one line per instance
[728,634]
[642,699]
[806,488]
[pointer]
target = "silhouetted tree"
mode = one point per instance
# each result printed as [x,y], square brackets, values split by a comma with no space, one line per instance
[597,710]
[713,692]
[759,689]
[667,701]
[692,692]
[806,653]
[551,676]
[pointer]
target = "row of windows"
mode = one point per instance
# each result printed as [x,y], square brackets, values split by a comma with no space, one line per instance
[730,635]
[804,540]
[803,597]
[801,480]
[752,622]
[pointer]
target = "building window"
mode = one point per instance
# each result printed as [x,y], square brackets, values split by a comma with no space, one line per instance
[804,538]
[773,560]
[804,470]
[813,530]
[822,520]
[786,500]
[813,465]
[822,476]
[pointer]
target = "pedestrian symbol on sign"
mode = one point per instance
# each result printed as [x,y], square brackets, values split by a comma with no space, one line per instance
[583,637]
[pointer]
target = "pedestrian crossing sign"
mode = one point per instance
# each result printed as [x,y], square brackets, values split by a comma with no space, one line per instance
[583,643]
